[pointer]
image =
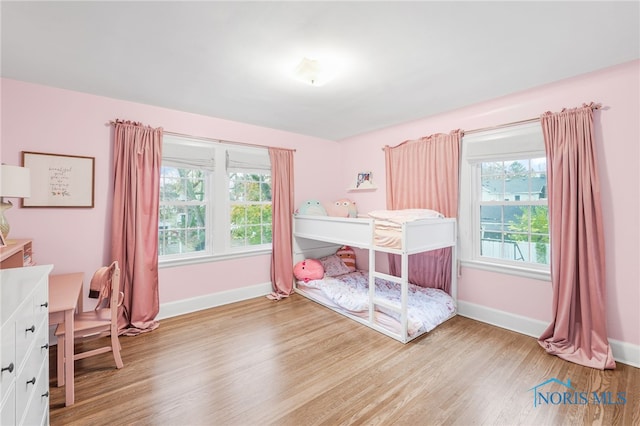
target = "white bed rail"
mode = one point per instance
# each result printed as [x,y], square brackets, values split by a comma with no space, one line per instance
[345,231]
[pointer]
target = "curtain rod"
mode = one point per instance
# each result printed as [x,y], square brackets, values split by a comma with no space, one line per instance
[500,126]
[113,123]
[594,106]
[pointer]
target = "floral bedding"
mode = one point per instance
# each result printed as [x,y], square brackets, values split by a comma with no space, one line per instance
[426,307]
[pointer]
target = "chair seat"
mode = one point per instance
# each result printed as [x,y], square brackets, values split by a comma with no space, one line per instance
[90,321]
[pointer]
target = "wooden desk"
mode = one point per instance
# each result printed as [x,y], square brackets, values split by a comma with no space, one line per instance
[16,254]
[65,295]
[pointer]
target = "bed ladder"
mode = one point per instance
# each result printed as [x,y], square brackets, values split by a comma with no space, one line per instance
[403,280]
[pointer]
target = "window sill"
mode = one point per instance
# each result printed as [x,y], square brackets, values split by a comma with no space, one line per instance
[507,269]
[194,260]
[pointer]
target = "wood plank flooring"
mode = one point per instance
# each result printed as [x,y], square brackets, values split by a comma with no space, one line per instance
[294,362]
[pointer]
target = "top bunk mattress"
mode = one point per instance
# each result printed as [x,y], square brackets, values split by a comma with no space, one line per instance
[388,224]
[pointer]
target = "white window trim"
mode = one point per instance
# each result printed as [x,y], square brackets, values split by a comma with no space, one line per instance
[208,258]
[488,146]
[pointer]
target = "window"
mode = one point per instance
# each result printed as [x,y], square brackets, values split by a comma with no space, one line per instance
[504,221]
[215,200]
[250,196]
[513,210]
[183,211]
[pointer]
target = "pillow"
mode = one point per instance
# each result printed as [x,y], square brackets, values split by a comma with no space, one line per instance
[308,269]
[312,207]
[334,266]
[342,208]
[348,256]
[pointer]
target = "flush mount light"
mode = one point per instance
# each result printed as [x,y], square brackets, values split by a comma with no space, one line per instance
[313,72]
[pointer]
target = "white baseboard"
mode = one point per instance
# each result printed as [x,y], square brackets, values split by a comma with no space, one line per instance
[626,353]
[186,306]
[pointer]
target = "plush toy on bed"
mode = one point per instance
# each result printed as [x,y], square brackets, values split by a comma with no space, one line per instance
[342,208]
[308,269]
[312,207]
[348,256]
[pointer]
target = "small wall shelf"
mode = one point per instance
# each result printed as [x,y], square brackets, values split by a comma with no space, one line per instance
[367,188]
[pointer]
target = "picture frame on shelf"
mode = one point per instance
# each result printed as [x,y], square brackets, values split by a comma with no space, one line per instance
[59,180]
[364,180]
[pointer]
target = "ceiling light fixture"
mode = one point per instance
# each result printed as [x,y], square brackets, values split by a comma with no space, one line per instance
[312,72]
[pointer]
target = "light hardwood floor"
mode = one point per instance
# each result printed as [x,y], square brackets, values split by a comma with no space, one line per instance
[293,362]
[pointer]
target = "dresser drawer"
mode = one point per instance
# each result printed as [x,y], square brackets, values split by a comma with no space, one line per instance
[38,405]
[8,408]
[26,329]
[8,357]
[29,378]
[41,304]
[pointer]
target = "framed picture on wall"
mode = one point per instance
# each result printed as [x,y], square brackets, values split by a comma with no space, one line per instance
[3,242]
[59,180]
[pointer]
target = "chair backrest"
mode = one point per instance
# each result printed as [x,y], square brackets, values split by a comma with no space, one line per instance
[116,297]
[108,277]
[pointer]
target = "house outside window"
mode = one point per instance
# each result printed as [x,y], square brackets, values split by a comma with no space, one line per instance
[504,223]
[215,201]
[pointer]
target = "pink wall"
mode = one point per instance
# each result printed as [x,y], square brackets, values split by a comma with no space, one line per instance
[618,136]
[44,119]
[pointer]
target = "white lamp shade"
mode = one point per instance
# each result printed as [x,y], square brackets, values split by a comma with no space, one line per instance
[15,181]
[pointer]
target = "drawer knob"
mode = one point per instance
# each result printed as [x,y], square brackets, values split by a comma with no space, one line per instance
[45,346]
[9,368]
[31,329]
[32,381]
[45,395]
[45,305]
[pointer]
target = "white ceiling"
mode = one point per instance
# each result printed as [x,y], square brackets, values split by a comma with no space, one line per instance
[401,60]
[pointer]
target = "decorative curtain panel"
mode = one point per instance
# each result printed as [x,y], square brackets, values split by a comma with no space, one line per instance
[134,240]
[282,224]
[423,174]
[578,331]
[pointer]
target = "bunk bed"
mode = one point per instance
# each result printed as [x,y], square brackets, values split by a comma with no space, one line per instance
[391,305]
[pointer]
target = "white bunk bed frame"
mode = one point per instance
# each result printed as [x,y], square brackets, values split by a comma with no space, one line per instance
[319,236]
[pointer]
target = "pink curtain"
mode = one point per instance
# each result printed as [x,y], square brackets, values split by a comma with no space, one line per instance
[282,204]
[423,174]
[134,238]
[578,331]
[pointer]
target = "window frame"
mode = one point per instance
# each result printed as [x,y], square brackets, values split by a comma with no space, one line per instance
[519,142]
[248,203]
[218,242]
[208,182]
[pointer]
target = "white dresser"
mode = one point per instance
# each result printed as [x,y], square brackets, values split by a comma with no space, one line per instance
[24,356]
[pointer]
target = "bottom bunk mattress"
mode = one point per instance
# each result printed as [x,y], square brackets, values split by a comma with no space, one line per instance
[349,293]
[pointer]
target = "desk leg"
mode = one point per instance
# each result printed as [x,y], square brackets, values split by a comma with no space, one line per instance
[68,358]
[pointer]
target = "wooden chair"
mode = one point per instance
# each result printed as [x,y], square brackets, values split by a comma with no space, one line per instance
[102,321]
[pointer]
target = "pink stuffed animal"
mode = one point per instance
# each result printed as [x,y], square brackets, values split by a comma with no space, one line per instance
[308,269]
[342,208]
